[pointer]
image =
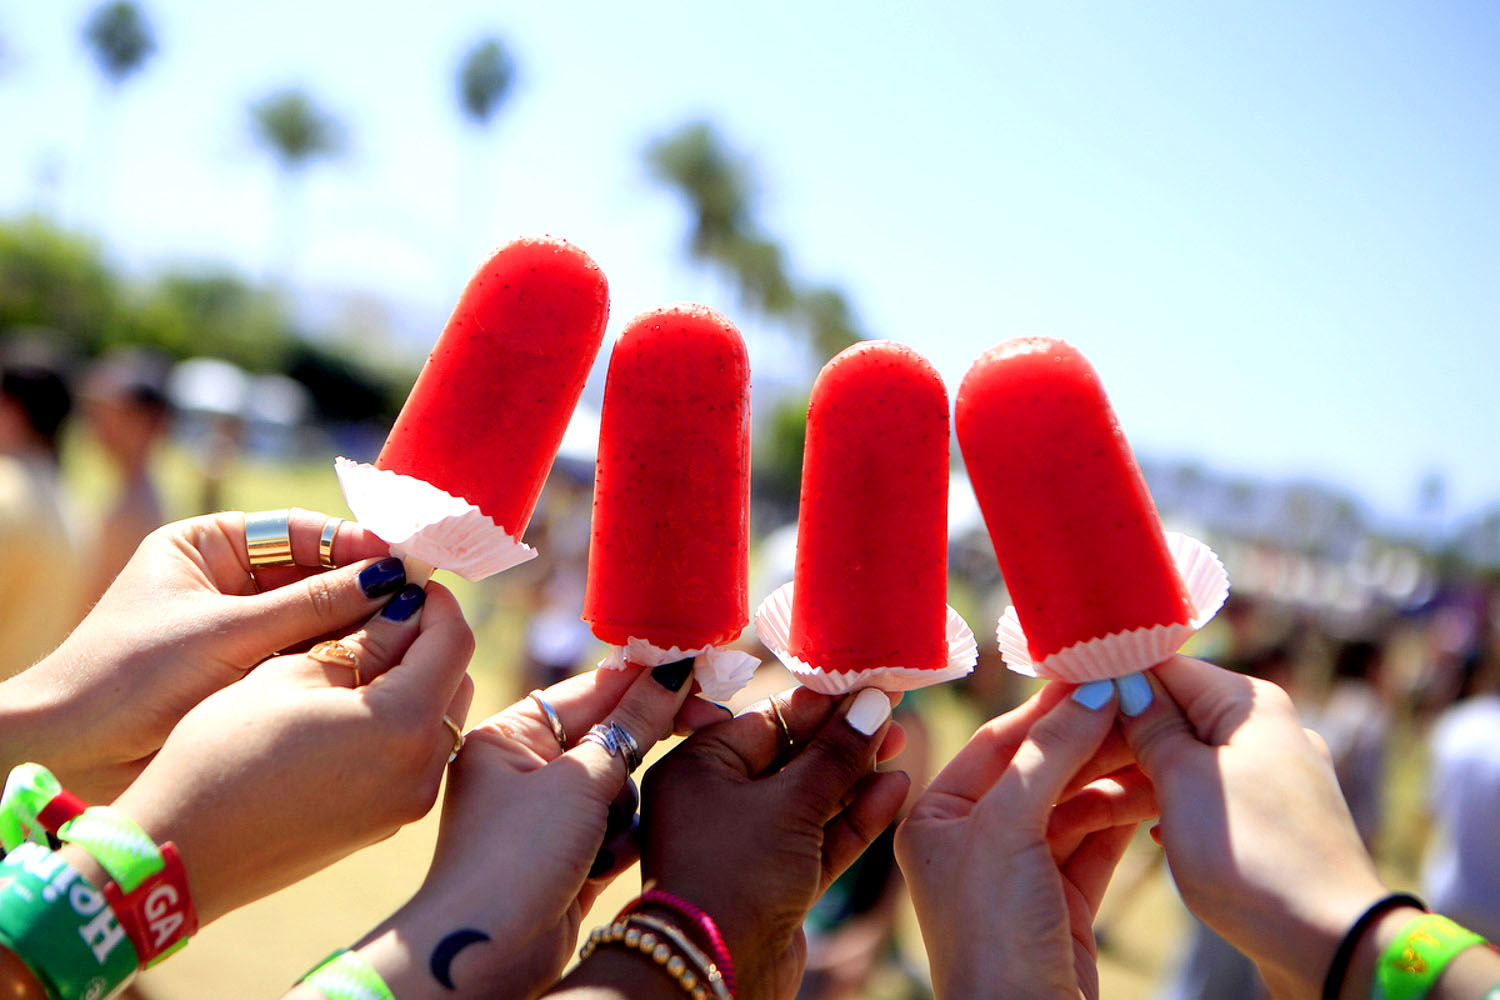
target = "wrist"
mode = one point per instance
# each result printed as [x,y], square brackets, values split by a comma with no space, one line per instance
[33,723]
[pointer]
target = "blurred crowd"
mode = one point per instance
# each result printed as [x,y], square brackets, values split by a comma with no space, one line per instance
[1404,693]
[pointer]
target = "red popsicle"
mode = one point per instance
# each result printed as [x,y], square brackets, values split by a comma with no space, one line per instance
[668,556]
[872,537]
[488,411]
[1073,525]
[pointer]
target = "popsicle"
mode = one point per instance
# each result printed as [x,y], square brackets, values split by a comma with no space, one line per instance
[488,411]
[456,483]
[668,555]
[871,572]
[1076,533]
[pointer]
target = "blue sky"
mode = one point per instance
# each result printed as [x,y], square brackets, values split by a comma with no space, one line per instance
[1272,226]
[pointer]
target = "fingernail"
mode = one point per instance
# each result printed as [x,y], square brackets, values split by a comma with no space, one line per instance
[603,862]
[1135,693]
[869,711]
[673,675]
[1095,694]
[404,604]
[722,707]
[384,577]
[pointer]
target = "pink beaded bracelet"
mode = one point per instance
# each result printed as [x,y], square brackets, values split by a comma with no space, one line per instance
[718,950]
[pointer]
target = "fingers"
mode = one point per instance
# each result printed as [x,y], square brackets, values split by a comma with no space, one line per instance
[351,543]
[1093,864]
[1160,736]
[699,713]
[580,702]
[365,654]
[645,712]
[977,767]
[433,667]
[843,751]
[1215,701]
[877,799]
[318,604]
[1056,748]
[1124,797]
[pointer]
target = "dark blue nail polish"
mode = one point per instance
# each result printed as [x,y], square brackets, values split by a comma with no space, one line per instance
[603,862]
[673,675]
[621,810]
[404,604]
[384,577]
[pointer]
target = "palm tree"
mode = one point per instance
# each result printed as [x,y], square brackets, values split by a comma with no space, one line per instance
[296,132]
[486,76]
[119,37]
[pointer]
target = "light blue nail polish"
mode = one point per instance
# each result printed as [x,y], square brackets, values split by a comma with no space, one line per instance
[1095,694]
[1135,693]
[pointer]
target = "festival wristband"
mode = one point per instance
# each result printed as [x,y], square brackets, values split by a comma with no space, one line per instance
[158,915]
[61,927]
[33,803]
[1409,968]
[117,842]
[345,976]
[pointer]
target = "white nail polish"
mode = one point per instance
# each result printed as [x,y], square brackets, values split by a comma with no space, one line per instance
[871,708]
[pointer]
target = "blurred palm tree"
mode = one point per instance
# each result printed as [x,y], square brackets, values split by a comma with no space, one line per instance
[119,37]
[486,77]
[295,131]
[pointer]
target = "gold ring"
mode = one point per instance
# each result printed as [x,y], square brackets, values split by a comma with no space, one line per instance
[325,541]
[336,654]
[268,539]
[458,737]
[786,731]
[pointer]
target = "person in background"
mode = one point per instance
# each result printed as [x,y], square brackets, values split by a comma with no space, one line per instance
[38,559]
[124,403]
[1355,722]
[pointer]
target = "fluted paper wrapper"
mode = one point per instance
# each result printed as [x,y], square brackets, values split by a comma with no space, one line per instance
[773,623]
[422,523]
[1128,652]
[720,673]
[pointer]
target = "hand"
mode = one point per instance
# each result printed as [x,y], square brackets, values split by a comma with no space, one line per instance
[518,860]
[291,768]
[753,832]
[1006,886]
[183,619]
[1258,837]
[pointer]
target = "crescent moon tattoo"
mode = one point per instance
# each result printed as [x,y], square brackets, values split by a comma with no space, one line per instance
[447,950]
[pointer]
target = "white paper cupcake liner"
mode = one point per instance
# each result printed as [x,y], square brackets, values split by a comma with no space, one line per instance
[425,524]
[1127,652]
[720,673]
[773,623]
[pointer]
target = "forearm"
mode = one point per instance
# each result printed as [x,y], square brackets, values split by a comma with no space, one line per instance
[31,727]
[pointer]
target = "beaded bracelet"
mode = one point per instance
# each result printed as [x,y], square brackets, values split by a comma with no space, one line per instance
[696,917]
[657,943]
[344,975]
[1409,968]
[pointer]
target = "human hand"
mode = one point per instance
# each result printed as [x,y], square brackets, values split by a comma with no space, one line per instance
[519,860]
[186,617]
[292,767]
[1259,840]
[752,831]
[1006,886]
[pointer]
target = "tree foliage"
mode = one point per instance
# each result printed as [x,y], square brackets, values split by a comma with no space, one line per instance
[295,129]
[485,78]
[120,38]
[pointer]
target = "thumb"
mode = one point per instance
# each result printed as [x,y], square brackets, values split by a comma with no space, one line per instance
[1156,729]
[320,604]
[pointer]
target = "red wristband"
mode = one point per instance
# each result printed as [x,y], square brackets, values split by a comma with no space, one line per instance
[158,916]
[62,807]
[696,917]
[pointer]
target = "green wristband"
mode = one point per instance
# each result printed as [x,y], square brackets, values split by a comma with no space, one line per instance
[28,789]
[61,927]
[1408,969]
[119,845]
[345,976]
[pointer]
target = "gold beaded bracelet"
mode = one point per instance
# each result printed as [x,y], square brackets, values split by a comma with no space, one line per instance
[658,942]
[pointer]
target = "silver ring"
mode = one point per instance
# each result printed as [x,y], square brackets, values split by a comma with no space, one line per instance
[616,742]
[552,718]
